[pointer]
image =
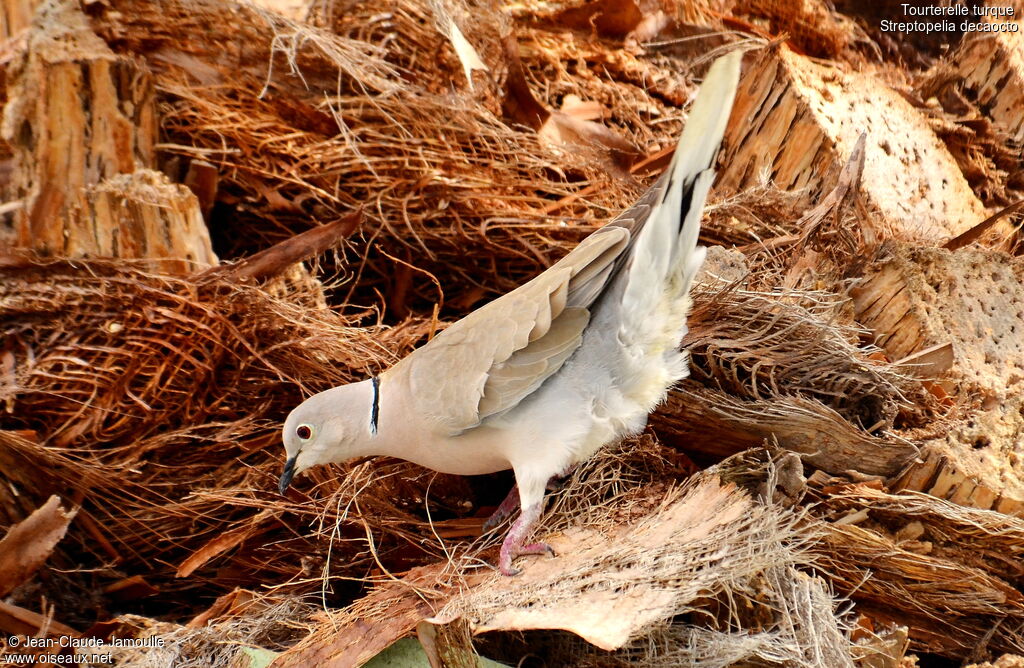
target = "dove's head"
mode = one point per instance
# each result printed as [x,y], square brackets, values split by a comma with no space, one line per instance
[332,426]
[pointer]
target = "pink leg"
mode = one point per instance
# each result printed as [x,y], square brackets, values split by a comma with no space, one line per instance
[513,546]
[511,502]
[507,507]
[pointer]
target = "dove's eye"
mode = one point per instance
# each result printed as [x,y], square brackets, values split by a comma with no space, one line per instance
[304,432]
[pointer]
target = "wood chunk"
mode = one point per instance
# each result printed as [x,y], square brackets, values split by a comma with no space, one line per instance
[799,121]
[995,221]
[225,541]
[22,489]
[28,544]
[130,589]
[952,594]
[932,362]
[716,424]
[974,96]
[141,215]
[203,179]
[15,16]
[76,115]
[914,298]
[976,462]
[235,604]
[82,124]
[355,635]
[16,620]
[991,67]
[288,253]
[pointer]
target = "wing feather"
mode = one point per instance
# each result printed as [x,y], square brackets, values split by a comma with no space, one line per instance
[497,355]
[510,382]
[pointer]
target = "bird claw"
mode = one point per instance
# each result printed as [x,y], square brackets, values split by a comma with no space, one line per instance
[513,545]
[537,548]
[509,553]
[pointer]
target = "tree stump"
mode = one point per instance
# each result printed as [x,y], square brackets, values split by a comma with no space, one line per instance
[914,298]
[797,122]
[142,215]
[78,117]
[15,16]
[918,298]
[991,68]
[974,96]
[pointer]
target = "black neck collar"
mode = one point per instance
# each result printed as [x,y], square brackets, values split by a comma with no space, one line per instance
[375,409]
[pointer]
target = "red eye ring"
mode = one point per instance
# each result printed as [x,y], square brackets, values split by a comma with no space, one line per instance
[303,431]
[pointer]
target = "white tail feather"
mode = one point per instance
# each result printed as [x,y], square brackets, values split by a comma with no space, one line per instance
[666,247]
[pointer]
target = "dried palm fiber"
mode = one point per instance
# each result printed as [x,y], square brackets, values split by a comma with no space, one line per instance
[411,38]
[952,574]
[712,425]
[155,402]
[816,248]
[729,577]
[635,92]
[757,345]
[743,599]
[567,51]
[789,365]
[222,643]
[754,215]
[221,529]
[805,630]
[433,169]
[630,474]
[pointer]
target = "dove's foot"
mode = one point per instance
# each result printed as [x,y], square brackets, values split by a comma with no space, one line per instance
[513,545]
[537,548]
[507,507]
[505,562]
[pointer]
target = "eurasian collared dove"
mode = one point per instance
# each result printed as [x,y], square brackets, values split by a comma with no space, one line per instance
[542,377]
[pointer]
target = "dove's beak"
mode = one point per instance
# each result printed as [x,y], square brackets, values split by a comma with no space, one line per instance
[287,475]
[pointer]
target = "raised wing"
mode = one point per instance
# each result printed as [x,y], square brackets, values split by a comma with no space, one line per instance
[490,360]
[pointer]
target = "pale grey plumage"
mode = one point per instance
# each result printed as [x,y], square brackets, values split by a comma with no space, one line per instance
[540,378]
